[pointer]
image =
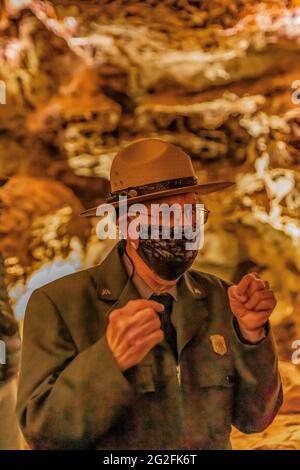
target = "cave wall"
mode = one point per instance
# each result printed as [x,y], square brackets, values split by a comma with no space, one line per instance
[219,78]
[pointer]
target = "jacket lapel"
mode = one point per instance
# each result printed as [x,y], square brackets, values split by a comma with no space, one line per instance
[190,310]
[110,277]
[115,288]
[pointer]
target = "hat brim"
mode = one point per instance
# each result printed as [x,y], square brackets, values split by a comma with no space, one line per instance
[198,188]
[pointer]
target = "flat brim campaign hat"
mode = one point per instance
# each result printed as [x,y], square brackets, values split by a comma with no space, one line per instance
[151,169]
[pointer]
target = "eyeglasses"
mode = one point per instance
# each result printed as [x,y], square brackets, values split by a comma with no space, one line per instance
[200,214]
[193,214]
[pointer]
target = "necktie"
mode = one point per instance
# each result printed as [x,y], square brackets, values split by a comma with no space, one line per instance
[166,324]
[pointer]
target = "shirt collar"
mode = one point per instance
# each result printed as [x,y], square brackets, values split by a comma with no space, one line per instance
[142,287]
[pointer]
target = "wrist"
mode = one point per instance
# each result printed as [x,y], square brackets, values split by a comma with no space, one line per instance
[253,336]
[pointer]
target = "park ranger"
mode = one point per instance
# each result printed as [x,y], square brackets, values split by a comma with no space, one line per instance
[142,351]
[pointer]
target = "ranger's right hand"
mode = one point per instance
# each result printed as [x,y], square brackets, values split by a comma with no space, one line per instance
[133,331]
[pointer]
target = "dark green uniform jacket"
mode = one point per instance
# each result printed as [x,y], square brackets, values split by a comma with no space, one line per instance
[72,394]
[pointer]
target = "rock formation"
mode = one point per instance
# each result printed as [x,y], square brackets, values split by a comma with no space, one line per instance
[220,78]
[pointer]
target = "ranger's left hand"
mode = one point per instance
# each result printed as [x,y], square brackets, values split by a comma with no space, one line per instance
[13,357]
[252,302]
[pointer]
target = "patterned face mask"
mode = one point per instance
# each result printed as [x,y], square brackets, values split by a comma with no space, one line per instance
[167,257]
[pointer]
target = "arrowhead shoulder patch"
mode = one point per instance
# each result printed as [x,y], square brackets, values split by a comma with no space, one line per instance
[105,292]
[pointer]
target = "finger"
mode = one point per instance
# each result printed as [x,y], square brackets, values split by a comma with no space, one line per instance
[268,304]
[121,321]
[13,359]
[134,306]
[256,286]
[143,316]
[138,351]
[237,306]
[255,274]
[257,297]
[11,372]
[150,340]
[254,315]
[122,318]
[134,355]
[255,320]
[12,343]
[233,293]
[250,284]
[143,330]
[244,284]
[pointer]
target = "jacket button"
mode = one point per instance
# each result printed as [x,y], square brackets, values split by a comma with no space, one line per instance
[230,379]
